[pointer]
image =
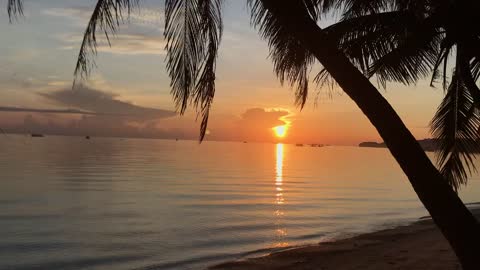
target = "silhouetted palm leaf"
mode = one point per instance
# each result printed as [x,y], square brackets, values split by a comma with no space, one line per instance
[405,41]
[475,68]
[193,31]
[446,47]
[456,125]
[412,58]
[14,8]
[291,60]
[390,45]
[106,17]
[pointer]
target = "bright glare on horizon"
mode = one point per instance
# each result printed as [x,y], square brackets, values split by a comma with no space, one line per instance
[280,131]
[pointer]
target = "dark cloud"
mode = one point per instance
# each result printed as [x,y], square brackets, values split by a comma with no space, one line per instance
[98,126]
[254,125]
[91,112]
[99,102]
[262,118]
[31,110]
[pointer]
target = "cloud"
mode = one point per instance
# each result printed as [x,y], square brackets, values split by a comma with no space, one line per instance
[81,15]
[31,110]
[90,112]
[126,44]
[263,118]
[97,126]
[141,33]
[99,102]
[255,124]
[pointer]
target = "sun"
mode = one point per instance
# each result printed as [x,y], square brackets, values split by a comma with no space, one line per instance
[280,131]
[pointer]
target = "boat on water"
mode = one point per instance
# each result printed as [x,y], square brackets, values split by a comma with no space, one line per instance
[316,145]
[299,144]
[87,137]
[37,135]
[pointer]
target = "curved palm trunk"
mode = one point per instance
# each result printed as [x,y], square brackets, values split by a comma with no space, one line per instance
[447,210]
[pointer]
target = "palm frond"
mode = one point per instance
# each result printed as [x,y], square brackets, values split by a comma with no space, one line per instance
[367,38]
[457,122]
[106,17]
[324,79]
[475,67]
[446,48]
[14,8]
[358,8]
[467,69]
[292,61]
[405,45]
[455,126]
[193,30]
[326,6]
[205,88]
[394,46]
[412,59]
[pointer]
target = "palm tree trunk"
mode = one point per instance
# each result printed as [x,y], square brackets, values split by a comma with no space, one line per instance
[455,221]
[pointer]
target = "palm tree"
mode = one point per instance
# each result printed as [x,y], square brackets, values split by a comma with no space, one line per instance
[452,217]
[193,33]
[411,40]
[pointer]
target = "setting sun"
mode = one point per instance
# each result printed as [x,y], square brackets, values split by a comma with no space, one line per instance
[280,131]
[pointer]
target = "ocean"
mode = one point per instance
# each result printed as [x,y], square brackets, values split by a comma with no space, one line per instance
[111,203]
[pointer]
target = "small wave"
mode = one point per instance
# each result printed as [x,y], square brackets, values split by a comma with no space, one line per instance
[83,263]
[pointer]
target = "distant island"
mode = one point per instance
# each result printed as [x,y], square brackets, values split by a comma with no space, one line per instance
[428,145]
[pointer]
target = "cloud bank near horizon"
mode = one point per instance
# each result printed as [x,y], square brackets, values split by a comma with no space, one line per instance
[99,102]
[85,110]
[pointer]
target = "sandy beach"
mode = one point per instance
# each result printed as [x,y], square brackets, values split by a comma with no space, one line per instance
[416,246]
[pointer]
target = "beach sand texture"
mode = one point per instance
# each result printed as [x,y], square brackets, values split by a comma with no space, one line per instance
[416,246]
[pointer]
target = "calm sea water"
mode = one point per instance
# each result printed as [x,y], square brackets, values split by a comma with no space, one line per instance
[71,203]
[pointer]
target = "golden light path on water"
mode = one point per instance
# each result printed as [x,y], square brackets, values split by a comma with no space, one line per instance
[281,231]
[279,174]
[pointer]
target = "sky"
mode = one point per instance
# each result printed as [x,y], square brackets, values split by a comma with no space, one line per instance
[128,93]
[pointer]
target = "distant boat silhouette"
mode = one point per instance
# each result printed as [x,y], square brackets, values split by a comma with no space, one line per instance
[87,137]
[299,144]
[37,135]
[244,141]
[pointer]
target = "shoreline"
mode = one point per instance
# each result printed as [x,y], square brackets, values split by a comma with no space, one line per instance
[419,245]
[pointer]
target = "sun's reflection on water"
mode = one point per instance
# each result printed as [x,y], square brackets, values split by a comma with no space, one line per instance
[279,175]
[279,167]
[281,231]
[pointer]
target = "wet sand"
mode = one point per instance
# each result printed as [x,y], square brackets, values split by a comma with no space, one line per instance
[416,246]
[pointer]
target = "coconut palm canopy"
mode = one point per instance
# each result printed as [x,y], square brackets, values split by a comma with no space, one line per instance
[412,40]
[391,40]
